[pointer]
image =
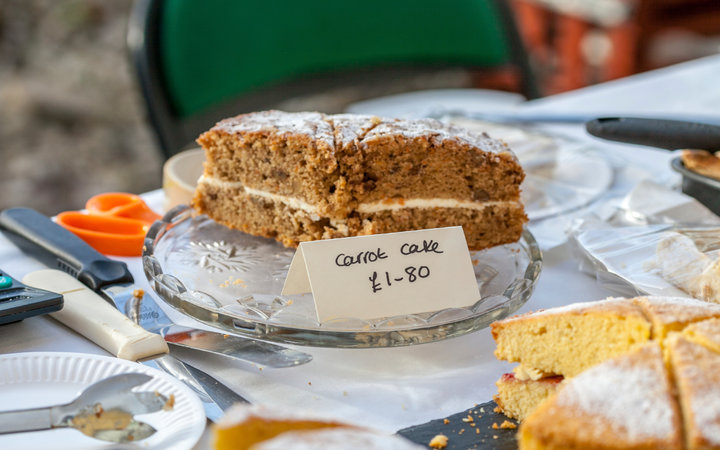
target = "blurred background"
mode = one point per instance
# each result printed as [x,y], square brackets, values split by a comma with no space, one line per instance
[72,123]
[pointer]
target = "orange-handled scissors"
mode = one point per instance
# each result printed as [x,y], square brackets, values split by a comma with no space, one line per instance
[115,223]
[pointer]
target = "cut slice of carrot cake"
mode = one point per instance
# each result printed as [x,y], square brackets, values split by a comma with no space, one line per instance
[303,176]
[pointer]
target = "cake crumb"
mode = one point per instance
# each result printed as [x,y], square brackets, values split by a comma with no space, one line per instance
[170,403]
[495,426]
[138,293]
[497,409]
[495,436]
[477,430]
[439,441]
[446,421]
[508,425]
[482,410]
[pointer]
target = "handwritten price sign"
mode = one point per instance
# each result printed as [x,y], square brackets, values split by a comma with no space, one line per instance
[383,275]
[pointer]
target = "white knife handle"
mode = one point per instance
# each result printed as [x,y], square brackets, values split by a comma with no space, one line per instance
[90,315]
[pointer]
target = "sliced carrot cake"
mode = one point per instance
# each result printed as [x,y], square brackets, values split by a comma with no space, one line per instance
[296,177]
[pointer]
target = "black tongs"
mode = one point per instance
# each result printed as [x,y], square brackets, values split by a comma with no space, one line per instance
[660,133]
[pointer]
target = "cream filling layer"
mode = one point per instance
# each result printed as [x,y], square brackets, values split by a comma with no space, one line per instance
[523,373]
[367,208]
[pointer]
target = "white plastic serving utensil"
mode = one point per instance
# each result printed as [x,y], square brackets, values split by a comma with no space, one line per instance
[111,397]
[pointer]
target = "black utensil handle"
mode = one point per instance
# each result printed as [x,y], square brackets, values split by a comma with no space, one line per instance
[667,134]
[57,247]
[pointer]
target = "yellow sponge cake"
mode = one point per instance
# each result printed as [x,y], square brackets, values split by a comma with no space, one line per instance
[705,333]
[696,372]
[669,314]
[567,340]
[626,402]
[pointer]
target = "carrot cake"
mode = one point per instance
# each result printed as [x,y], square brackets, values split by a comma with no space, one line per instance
[297,177]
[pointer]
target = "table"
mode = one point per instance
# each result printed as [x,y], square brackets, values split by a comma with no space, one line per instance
[393,388]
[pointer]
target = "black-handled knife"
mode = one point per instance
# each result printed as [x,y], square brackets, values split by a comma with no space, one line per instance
[58,248]
[661,133]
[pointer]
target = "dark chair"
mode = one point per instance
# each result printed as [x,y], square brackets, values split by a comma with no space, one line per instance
[200,61]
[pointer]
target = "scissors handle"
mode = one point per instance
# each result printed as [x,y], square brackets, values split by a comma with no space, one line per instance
[121,204]
[57,247]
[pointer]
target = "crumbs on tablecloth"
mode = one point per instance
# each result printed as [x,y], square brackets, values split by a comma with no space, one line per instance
[507,424]
[446,421]
[439,441]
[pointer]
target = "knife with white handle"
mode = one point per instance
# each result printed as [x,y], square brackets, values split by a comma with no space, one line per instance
[57,247]
[90,315]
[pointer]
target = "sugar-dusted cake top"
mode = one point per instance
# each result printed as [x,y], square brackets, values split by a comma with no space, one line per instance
[346,129]
[628,396]
[615,305]
[697,374]
[241,413]
[669,310]
[311,124]
[334,438]
[350,128]
[434,130]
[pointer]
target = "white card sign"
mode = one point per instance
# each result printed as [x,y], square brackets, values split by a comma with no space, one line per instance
[385,275]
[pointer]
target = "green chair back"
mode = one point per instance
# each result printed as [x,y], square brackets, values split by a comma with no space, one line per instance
[200,61]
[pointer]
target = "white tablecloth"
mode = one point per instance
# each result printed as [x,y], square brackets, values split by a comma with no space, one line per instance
[392,388]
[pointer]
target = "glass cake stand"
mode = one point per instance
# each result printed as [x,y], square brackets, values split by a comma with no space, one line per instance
[231,280]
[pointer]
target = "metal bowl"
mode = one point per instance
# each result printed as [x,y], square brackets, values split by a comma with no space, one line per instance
[705,189]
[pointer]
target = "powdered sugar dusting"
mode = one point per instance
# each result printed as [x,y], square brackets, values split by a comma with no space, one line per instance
[697,370]
[310,124]
[423,128]
[706,407]
[351,128]
[241,412]
[334,438]
[609,302]
[631,394]
[679,309]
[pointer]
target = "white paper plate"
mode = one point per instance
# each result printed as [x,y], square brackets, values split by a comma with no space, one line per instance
[32,380]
